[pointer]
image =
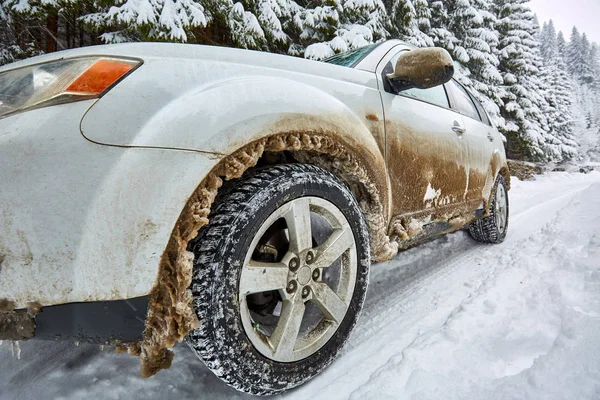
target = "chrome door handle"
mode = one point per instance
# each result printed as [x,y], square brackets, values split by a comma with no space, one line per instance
[459,130]
[490,136]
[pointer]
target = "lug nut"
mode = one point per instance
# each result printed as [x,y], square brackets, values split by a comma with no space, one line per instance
[294,264]
[316,274]
[291,287]
[305,292]
[310,257]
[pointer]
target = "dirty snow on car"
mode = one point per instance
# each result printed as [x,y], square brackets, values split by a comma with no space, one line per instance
[449,319]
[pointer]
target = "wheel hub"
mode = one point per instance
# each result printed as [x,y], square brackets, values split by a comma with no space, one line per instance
[312,305]
[304,275]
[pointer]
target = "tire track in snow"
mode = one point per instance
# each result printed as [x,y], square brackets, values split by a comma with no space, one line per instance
[538,245]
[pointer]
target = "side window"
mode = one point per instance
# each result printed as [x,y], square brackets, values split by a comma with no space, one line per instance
[436,95]
[484,116]
[462,101]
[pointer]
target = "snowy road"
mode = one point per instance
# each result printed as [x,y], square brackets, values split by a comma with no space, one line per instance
[449,319]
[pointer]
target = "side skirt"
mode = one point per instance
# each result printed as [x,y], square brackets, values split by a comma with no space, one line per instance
[100,322]
[436,229]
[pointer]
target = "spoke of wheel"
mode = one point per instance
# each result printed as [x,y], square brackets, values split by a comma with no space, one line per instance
[285,335]
[260,277]
[298,222]
[329,302]
[339,241]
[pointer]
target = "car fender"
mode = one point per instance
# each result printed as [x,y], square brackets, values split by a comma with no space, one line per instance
[223,116]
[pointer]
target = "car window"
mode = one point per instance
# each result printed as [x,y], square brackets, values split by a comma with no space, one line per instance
[352,57]
[484,116]
[462,101]
[436,95]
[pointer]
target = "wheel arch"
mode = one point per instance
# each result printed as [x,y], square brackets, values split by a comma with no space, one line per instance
[505,172]
[363,171]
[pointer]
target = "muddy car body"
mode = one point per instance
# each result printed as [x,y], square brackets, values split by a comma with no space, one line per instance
[100,197]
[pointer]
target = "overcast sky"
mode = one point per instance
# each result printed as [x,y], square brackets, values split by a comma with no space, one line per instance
[584,14]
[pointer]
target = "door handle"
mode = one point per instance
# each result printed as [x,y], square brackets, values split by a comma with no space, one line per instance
[459,130]
[490,136]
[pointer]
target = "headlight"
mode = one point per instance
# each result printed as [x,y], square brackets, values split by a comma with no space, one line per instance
[60,81]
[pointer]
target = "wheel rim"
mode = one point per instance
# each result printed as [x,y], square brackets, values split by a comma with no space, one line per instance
[501,208]
[311,284]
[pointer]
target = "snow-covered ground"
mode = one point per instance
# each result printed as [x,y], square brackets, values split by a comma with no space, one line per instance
[449,319]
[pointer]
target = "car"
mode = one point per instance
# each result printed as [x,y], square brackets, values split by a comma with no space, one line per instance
[154,192]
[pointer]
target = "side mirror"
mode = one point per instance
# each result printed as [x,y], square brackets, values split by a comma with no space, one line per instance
[422,69]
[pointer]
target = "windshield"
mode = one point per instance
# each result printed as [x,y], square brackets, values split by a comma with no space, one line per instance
[350,58]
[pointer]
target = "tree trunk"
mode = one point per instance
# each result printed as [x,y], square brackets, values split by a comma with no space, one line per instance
[51,32]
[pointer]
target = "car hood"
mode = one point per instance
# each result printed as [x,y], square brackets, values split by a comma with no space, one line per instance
[184,51]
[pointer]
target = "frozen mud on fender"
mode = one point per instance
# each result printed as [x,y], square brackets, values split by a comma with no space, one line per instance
[17,324]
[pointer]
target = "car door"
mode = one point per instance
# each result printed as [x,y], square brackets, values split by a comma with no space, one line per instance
[425,151]
[479,139]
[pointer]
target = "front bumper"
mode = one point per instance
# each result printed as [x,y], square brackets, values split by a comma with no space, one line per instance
[83,222]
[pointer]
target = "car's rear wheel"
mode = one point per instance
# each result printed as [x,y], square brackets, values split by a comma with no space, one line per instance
[281,273]
[492,229]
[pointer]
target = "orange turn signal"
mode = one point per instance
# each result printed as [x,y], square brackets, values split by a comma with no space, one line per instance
[99,77]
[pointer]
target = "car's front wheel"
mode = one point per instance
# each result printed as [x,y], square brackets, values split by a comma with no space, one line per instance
[281,273]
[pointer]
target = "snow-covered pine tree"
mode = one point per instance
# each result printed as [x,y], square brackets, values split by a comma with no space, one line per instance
[575,54]
[549,41]
[526,126]
[423,16]
[481,44]
[457,17]
[168,20]
[280,22]
[30,27]
[595,66]
[466,29]
[558,94]
[9,50]
[356,22]
[368,13]
[320,26]
[585,70]
[407,18]
[246,31]
[440,22]
[561,44]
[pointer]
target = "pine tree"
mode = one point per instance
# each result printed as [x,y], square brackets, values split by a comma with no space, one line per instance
[561,45]
[472,43]
[549,42]
[169,20]
[595,66]
[279,20]
[440,21]
[423,17]
[526,127]
[558,94]
[344,26]
[320,26]
[9,50]
[366,18]
[408,18]
[585,71]
[575,54]
[481,44]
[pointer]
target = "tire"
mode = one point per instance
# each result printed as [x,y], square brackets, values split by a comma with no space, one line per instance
[224,340]
[493,228]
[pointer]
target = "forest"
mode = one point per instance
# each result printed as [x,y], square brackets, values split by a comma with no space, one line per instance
[541,87]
